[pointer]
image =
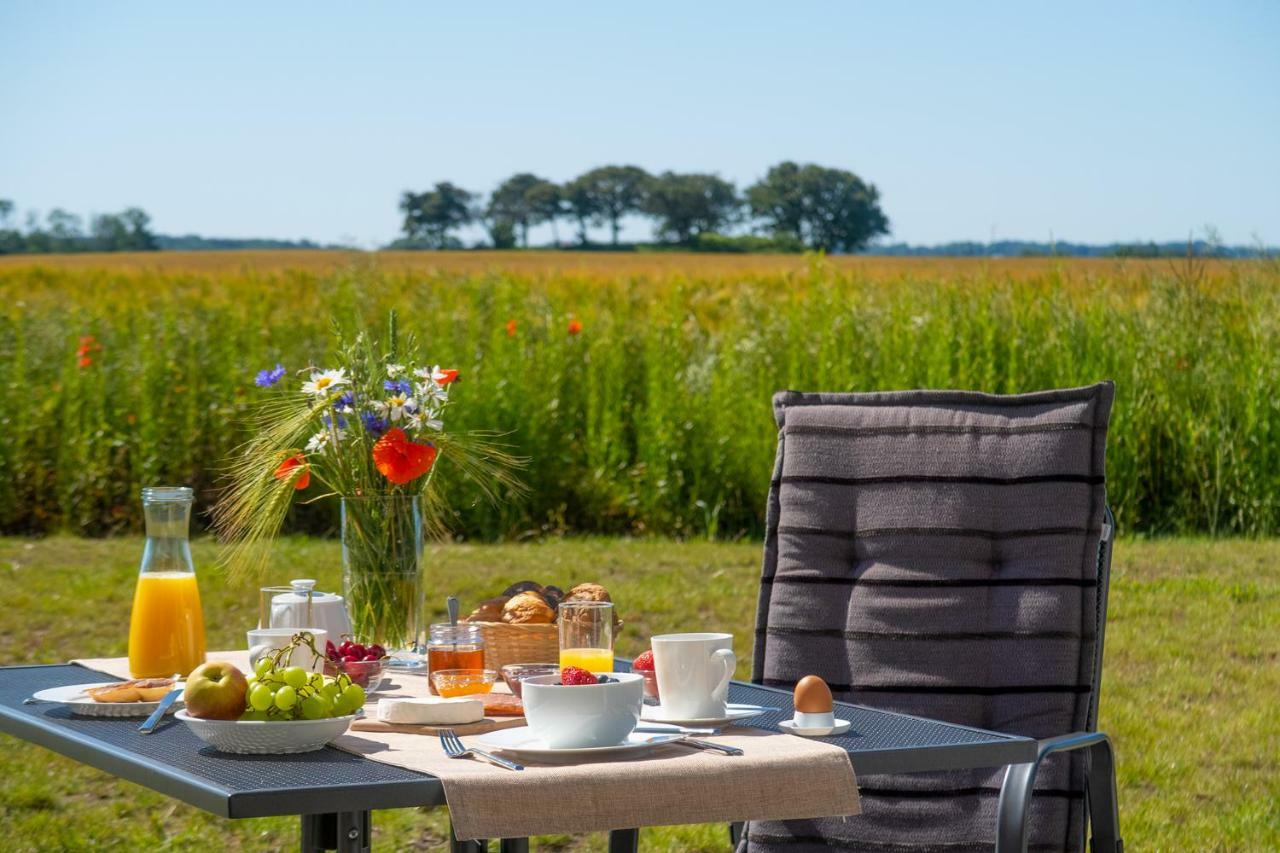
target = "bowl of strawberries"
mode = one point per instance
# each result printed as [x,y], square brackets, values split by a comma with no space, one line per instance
[364,664]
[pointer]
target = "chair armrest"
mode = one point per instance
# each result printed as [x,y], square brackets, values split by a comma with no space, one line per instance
[1100,779]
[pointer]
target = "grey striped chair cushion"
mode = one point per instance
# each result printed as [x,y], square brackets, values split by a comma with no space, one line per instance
[935,553]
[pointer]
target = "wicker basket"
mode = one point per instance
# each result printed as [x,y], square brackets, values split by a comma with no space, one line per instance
[506,643]
[520,643]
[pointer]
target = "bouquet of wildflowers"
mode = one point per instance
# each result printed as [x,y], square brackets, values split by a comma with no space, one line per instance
[370,431]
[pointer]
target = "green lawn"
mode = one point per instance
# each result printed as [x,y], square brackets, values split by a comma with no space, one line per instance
[1189,694]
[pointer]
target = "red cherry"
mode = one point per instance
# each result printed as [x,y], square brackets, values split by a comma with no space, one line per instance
[357,650]
[350,659]
[371,657]
[376,649]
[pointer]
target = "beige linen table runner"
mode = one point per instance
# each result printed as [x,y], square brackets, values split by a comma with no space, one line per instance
[779,777]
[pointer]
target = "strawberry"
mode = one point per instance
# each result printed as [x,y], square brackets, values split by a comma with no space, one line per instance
[644,663]
[573,676]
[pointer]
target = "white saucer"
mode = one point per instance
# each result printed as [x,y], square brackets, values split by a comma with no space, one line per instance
[81,704]
[522,743]
[790,727]
[654,714]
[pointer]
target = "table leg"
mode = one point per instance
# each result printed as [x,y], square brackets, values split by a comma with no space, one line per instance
[624,841]
[514,845]
[346,832]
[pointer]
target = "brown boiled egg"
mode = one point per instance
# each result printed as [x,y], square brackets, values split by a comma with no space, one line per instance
[813,696]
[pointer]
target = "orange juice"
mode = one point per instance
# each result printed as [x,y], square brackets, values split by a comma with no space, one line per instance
[592,660]
[166,633]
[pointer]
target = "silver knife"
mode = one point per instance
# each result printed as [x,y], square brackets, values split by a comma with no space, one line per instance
[706,744]
[158,714]
[668,729]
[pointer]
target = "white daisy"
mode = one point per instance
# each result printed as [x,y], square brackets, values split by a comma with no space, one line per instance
[395,371]
[325,382]
[318,442]
[396,407]
[421,420]
[429,390]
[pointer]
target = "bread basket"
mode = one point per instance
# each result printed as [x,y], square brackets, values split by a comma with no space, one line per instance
[528,642]
[506,643]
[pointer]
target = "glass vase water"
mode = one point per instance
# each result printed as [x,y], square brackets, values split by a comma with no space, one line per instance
[382,545]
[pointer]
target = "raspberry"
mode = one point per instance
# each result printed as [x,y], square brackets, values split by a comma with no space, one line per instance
[572,676]
[643,663]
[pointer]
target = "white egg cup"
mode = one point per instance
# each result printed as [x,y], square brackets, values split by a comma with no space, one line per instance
[815,725]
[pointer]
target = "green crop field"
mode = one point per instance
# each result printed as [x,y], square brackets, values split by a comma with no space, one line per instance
[653,418]
[1188,688]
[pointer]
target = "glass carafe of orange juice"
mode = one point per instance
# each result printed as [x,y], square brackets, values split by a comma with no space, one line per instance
[166,632]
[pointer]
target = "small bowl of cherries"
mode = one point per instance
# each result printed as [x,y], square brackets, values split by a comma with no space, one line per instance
[365,665]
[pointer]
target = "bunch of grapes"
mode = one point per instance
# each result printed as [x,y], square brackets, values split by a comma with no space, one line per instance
[279,693]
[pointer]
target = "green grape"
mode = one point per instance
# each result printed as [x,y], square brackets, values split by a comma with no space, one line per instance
[254,715]
[286,697]
[351,699]
[316,681]
[263,667]
[260,697]
[313,708]
[330,691]
[295,677]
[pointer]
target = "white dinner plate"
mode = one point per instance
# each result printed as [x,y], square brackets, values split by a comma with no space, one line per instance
[522,743]
[790,727]
[82,705]
[733,713]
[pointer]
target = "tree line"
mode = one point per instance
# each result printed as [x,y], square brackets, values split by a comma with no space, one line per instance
[795,206]
[60,231]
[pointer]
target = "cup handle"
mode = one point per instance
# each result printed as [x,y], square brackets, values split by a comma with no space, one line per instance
[256,653]
[730,663]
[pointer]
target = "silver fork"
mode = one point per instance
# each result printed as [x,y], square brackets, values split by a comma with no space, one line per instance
[454,748]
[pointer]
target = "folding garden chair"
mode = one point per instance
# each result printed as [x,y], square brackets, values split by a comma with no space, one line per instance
[947,554]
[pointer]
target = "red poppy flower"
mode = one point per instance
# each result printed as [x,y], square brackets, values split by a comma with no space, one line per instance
[574,327]
[444,377]
[84,361]
[285,471]
[399,459]
[511,328]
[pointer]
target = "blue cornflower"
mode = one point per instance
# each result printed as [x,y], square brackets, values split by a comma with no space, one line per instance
[342,422]
[267,378]
[345,403]
[397,386]
[373,424]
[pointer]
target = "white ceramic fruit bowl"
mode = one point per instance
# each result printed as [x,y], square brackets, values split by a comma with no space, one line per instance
[582,716]
[253,737]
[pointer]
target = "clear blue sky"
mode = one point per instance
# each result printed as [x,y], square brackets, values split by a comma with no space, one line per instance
[1093,122]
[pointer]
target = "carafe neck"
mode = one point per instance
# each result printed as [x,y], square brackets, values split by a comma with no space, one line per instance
[168,518]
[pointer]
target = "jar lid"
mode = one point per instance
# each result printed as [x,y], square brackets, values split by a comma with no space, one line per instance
[443,632]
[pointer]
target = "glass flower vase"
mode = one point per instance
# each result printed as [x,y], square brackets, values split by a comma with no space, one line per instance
[382,573]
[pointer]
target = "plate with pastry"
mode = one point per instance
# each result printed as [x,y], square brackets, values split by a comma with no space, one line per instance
[136,698]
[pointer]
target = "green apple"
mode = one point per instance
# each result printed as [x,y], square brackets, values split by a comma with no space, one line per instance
[215,691]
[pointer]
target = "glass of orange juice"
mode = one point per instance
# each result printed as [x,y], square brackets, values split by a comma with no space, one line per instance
[166,629]
[586,635]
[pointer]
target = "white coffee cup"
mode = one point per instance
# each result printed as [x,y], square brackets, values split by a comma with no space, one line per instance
[264,641]
[693,672]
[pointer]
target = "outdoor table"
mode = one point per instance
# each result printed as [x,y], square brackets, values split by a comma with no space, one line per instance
[333,791]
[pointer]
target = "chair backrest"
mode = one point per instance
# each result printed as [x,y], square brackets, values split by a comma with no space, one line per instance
[937,553]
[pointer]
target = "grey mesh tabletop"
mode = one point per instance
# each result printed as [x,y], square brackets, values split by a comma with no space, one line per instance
[175,762]
[885,742]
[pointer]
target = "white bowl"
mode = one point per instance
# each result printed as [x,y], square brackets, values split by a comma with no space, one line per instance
[254,737]
[585,715]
